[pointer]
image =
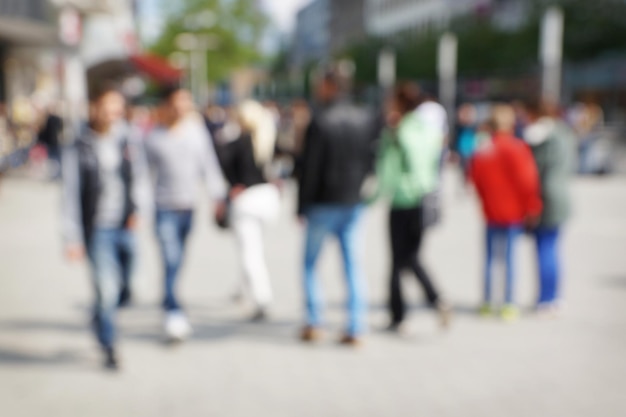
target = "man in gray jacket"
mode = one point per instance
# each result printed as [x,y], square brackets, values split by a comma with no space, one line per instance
[99,211]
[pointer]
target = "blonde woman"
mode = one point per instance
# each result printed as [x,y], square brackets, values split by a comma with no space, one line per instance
[245,148]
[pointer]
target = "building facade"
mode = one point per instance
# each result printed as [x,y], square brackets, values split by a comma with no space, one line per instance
[385,18]
[347,23]
[312,37]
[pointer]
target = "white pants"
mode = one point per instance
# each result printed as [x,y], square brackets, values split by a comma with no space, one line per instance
[251,210]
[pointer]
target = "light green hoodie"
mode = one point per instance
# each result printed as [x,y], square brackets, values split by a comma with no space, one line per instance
[408,164]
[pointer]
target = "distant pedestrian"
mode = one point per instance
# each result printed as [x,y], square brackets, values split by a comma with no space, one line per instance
[50,136]
[408,171]
[180,155]
[99,210]
[465,142]
[335,162]
[506,179]
[553,145]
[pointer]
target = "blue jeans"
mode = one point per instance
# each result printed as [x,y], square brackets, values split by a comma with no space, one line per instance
[172,227]
[500,245]
[547,241]
[112,257]
[344,222]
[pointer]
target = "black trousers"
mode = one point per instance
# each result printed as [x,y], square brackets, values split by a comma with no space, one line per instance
[407,233]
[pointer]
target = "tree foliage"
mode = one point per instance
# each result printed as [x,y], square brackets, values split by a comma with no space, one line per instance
[237,32]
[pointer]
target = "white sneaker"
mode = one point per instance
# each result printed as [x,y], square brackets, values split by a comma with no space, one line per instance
[176,326]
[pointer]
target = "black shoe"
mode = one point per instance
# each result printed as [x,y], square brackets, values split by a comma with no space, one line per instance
[398,327]
[125,299]
[110,360]
[260,316]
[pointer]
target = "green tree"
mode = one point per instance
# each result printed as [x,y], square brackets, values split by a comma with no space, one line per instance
[235,29]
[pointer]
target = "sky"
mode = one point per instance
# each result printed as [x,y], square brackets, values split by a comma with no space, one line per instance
[282,12]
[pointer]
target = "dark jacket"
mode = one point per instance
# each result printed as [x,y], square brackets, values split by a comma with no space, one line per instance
[83,188]
[50,134]
[237,161]
[338,154]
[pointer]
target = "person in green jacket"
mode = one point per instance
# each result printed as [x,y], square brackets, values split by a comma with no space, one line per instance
[552,144]
[408,170]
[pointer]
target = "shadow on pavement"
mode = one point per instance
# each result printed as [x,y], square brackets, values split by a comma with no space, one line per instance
[616,282]
[34,326]
[15,357]
[204,331]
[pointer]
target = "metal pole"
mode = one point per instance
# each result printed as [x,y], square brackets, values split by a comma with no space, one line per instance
[551,50]
[386,69]
[447,70]
[193,74]
[203,93]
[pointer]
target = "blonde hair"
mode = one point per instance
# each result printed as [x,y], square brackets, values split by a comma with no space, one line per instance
[503,118]
[259,122]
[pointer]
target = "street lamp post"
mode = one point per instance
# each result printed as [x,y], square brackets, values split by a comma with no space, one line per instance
[552,54]
[447,71]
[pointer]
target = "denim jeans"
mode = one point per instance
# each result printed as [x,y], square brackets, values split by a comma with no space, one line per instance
[500,248]
[112,257]
[547,241]
[172,227]
[344,222]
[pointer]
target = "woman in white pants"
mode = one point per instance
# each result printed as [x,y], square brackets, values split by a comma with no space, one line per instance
[245,147]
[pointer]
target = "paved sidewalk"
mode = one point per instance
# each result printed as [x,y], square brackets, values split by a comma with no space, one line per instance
[574,366]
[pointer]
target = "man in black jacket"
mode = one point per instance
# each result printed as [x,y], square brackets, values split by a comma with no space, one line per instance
[99,211]
[336,160]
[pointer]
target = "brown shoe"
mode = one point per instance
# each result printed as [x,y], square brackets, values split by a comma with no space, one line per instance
[445,315]
[351,341]
[310,334]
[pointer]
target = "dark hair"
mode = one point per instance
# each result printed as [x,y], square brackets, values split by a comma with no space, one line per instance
[540,107]
[167,92]
[102,90]
[408,96]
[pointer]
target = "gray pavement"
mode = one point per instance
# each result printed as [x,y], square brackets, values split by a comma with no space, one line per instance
[573,366]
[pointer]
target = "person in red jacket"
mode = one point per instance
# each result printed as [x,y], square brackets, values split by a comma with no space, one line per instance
[505,176]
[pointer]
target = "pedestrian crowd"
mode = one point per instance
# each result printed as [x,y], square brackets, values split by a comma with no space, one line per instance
[123,167]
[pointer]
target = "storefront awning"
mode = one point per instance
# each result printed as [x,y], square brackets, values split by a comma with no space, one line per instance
[156,68]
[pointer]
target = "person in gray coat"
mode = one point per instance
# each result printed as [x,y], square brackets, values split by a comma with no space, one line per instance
[552,144]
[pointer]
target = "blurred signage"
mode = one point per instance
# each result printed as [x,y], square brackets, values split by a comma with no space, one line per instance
[70,27]
[28,9]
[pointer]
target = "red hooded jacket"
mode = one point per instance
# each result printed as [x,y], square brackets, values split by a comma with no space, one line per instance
[506,178]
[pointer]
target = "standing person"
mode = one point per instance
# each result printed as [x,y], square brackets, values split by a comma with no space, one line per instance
[255,201]
[99,214]
[465,141]
[506,179]
[180,154]
[552,144]
[50,137]
[408,170]
[335,161]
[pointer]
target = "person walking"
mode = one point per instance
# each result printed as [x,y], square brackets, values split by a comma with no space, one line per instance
[336,159]
[180,153]
[50,136]
[408,170]
[99,210]
[465,142]
[553,146]
[506,180]
[242,147]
